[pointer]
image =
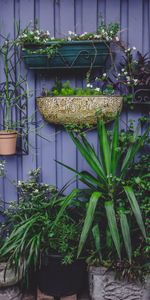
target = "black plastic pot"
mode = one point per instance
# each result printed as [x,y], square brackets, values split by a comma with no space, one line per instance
[58,280]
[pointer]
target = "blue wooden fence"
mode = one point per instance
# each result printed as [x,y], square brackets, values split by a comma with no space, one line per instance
[60,16]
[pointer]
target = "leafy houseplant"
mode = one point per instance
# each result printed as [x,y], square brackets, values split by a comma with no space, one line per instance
[36,242]
[67,105]
[75,51]
[12,95]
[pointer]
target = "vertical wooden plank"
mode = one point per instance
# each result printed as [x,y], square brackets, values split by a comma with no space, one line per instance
[46,136]
[124,38]
[124,21]
[135,24]
[146,27]
[29,161]
[89,15]
[101,10]
[18,72]
[112,11]
[89,21]
[135,38]
[78,16]
[66,151]
[7,28]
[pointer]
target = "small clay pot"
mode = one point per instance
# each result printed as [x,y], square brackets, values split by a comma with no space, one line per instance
[8,140]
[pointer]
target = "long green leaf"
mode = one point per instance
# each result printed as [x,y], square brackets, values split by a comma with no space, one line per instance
[88,220]
[112,223]
[104,147]
[97,240]
[135,208]
[87,156]
[115,154]
[66,202]
[126,234]
[132,151]
[93,154]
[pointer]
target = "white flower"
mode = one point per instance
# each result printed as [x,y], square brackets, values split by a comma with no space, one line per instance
[122,70]
[36,191]
[104,74]
[69,32]
[97,89]
[47,32]
[128,78]
[117,38]
[85,32]
[125,73]
[69,38]
[103,30]
[118,74]
[89,85]
[134,48]
[19,182]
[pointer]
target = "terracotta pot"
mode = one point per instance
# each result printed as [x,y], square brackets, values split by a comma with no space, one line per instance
[8,140]
[79,110]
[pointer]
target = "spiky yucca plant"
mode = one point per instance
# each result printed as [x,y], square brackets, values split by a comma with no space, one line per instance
[109,192]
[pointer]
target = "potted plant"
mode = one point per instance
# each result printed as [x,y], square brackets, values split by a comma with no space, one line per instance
[8,277]
[113,216]
[12,93]
[76,51]
[66,105]
[36,243]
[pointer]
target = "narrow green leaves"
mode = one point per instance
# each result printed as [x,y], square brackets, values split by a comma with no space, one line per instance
[135,208]
[104,147]
[132,151]
[112,223]
[96,236]
[115,154]
[90,156]
[88,220]
[126,234]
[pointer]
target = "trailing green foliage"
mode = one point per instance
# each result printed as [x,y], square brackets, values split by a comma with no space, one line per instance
[31,228]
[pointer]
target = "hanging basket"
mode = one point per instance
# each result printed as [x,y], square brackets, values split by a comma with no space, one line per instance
[79,110]
[69,55]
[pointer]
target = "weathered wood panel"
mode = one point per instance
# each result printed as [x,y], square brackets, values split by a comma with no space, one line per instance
[59,16]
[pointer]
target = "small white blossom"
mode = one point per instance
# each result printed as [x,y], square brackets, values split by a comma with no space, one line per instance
[89,85]
[134,48]
[69,38]
[117,38]
[104,74]
[97,89]
[125,73]
[122,70]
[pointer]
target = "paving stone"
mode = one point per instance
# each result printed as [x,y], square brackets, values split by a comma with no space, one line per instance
[10,293]
[72,297]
